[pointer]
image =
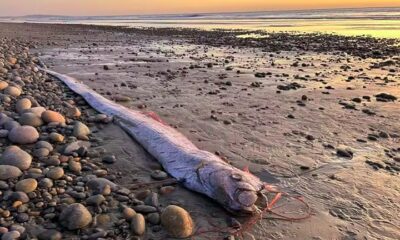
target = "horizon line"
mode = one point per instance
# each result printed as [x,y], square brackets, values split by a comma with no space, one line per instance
[217,12]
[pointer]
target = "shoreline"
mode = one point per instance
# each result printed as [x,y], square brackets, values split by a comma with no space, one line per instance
[297,115]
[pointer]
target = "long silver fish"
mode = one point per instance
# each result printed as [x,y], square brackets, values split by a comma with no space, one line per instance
[197,170]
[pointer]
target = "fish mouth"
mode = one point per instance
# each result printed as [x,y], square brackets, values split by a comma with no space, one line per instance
[247,200]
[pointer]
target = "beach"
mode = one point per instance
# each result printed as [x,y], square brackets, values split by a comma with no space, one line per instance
[315,115]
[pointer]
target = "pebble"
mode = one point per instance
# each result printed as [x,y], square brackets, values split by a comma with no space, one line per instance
[23,135]
[50,234]
[12,235]
[56,137]
[80,130]
[73,112]
[177,221]
[159,175]
[110,159]
[145,209]
[11,125]
[22,105]
[13,91]
[46,183]
[138,224]
[30,119]
[27,185]
[96,200]
[74,166]
[55,173]
[153,218]
[101,186]
[3,133]
[128,213]
[44,144]
[15,156]
[75,216]
[36,110]
[3,85]
[75,146]
[41,152]
[50,116]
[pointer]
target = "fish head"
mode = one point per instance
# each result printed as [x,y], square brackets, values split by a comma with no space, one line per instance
[238,191]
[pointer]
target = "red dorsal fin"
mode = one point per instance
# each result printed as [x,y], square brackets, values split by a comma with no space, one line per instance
[246,169]
[154,116]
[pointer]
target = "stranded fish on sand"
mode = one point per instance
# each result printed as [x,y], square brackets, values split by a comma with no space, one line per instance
[198,170]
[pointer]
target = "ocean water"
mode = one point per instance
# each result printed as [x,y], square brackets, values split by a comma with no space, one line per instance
[375,22]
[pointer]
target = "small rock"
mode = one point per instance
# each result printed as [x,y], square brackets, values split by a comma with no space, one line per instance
[74,166]
[177,221]
[17,157]
[153,218]
[101,186]
[73,112]
[80,130]
[12,235]
[50,116]
[56,137]
[30,119]
[22,105]
[75,216]
[138,224]
[159,175]
[50,234]
[12,91]
[55,173]
[27,185]
[23,135]
[3,85]
[8,172]
[128,213]
[96,200]
[109,159]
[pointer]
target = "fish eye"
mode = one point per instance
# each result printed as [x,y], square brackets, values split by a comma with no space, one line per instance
[236,177]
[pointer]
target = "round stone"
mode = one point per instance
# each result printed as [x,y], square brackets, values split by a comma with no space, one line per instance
[74,166]
[101,186]
[36,110]
[44,144]
[27,185]
[15,156]
[96,200]
[50,234]
[56,137]
[22,105]
[23,135]
[3,133]
[46,183]
[80,130]
[11,124]
[51,116]
[73,112]
[12,235]
[30,119]
[128,213]
[3,85]
[55,173]
[159,175]
[177,221]
[8,172]
[13,91]
[75,216]
[41,152]
[138,224]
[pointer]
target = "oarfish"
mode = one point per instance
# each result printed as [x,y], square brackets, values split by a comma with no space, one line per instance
[197,170]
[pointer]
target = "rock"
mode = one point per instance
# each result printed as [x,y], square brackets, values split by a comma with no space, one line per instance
[177,221]
[80,130]
[12,91]
[138,224]
[73,112]
[22,217]
[3,133]
[159,175]
[12,235]
[55,173]
[109,159]
[385,97]
[50,116]
[145,209]
[11,125]
[101,186]
[22,105]
[27,185]
[46,183]
[15,156]
[30,119]
[75,146]
[38,111]
[41,152]
[75,216]
[128,213]
[44,144]
[8,172]
[23,135]
[96,200]
[344,152]
[50,234]
[74,166]
[3,85]
[19,196]
[153,218]
[56,137]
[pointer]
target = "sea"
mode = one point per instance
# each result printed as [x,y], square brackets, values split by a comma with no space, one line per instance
[375,22]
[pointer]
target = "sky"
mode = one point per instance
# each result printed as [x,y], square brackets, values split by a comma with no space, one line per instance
[127,7]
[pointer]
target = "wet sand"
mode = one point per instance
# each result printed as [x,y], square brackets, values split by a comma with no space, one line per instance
[300,115]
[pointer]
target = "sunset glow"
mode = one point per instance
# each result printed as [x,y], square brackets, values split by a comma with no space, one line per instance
[125,7]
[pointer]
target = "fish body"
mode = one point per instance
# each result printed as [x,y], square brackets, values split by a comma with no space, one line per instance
[197,170]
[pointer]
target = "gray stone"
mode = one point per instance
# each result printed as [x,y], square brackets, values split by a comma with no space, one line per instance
[15,156]
[23,135]
[75,216]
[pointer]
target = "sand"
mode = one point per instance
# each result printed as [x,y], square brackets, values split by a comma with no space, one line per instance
[290,138]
